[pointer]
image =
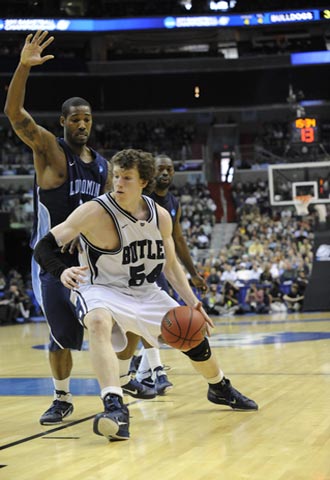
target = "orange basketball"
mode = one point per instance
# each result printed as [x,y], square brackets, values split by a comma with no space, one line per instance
[183,328]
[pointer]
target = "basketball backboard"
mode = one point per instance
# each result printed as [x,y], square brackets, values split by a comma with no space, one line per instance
[289,180]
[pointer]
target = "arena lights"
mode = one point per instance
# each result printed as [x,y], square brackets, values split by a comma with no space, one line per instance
[170,22]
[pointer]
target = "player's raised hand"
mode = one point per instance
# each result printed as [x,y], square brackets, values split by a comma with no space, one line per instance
[31,53]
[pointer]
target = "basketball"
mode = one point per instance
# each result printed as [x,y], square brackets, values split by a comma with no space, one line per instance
[183,328]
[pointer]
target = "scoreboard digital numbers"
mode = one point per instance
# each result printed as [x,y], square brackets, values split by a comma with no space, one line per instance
[305,130]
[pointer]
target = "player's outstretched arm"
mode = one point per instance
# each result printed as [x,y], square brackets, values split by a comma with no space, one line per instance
[22,122]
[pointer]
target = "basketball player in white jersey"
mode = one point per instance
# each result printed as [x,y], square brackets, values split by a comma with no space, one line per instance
[126,242]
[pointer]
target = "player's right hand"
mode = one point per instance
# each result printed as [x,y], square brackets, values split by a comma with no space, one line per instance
[73,277]
[33,48]
[208,320]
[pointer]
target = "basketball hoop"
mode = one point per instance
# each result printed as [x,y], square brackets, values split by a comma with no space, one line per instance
[301,202]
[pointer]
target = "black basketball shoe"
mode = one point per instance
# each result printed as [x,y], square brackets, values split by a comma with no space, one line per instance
[162,383]
[56,412]
[113,423]
[137,390]
[224,393]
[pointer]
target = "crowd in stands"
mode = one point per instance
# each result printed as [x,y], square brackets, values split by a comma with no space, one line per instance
[18,203]
[155,136]
[17,301]
[268,262]
[181,139]
[198,215]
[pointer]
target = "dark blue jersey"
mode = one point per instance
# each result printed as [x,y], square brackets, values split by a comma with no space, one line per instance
[52,206]
[169,202]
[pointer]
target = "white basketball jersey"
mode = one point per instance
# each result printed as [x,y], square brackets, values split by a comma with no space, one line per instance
[140,257]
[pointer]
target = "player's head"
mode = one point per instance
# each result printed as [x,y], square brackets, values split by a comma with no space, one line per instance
[76,120]
[134,160]
[164,171]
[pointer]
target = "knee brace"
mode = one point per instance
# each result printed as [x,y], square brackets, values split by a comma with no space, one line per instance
[201,353]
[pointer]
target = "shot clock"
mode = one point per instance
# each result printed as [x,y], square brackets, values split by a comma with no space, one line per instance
[305,130]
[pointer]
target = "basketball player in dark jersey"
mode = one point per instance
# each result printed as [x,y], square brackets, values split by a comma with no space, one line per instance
[150,369]
[126,241]
[67,174]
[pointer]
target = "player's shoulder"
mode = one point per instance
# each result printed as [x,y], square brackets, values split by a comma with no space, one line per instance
[92,209]
[174,199]
[99,157]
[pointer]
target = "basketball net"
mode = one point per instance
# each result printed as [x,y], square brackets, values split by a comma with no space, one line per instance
[301,203]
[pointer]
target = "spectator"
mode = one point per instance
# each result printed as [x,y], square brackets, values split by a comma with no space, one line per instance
[289,273]
[256,248]
[228,274]
[255,272]
[213,279]
[256,299]
[203,240]
[213,301]
[293,299]
[19,303]
[266,275]
[243,273]
[302,281]
[231,300]
[276,302]
[3,281]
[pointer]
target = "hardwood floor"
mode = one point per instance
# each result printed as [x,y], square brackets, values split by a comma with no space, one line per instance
[282,362]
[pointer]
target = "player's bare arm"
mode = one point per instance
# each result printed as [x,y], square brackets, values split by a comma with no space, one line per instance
[183,253]
[80,221]
[41,141]
[31,55]
[86,219]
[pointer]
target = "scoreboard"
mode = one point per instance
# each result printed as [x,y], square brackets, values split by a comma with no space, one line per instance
[305,130]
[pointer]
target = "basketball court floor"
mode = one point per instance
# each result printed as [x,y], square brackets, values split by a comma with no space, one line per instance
[281,361]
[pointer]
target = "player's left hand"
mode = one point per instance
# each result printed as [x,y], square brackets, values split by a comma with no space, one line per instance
[200,283]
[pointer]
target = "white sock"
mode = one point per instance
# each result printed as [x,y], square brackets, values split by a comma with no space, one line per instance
[140,352]
[144,367]
[216,379]
[62,385]
[115,390]
[150,361]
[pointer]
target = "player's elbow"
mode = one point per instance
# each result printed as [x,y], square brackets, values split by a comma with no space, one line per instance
[10,112]
[6,110]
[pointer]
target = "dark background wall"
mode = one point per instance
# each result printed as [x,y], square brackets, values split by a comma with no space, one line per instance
[169,91]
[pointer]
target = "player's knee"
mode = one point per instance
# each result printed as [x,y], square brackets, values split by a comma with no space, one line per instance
[201,353]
